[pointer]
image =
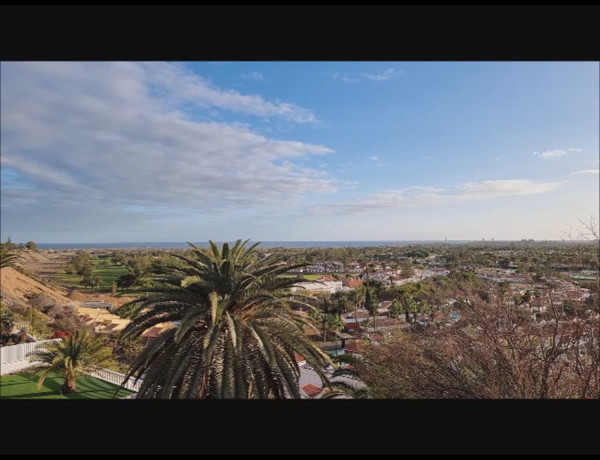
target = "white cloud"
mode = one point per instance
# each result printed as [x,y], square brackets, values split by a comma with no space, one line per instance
[358,77]
[253,76]
[425,157]
[549,154]
[122,134]
[418,196]
[374,158]
[346,79]
[587,171]
[385,75]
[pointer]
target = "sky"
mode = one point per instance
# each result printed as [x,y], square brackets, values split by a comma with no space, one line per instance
[103,152]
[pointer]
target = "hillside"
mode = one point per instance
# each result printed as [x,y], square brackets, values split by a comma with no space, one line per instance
[16,286]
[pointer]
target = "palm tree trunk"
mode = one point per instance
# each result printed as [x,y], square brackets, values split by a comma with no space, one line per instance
[69,386]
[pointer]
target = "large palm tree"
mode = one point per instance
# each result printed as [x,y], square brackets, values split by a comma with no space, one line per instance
[238,336]
[72,357]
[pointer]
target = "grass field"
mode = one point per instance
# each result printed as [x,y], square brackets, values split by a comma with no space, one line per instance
[108,273]
[24,386]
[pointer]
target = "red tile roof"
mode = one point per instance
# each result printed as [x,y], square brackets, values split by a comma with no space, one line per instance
[327,278]
[299,358]
[353,347]
[351,283]
[311,390]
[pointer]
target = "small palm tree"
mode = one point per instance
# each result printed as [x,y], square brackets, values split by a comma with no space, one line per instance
[371,303]
[8,257]
[335,324]
[356,297]
[409,305]
[72,357]
[238,335]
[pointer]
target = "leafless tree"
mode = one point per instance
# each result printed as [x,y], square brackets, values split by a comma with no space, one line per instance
[496,350]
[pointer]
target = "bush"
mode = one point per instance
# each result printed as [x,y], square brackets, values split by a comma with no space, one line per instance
[60,335]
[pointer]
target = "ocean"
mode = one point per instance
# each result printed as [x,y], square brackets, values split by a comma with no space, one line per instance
[264,244]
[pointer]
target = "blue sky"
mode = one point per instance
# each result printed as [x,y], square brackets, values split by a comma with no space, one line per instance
[172,151]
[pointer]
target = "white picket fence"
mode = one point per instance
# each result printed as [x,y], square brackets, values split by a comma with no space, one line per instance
[14,353]
[117,378]
[15,358]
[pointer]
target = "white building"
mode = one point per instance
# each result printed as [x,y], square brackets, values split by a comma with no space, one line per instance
[329,287]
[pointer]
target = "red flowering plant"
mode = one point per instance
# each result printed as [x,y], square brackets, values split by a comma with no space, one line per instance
[60,335]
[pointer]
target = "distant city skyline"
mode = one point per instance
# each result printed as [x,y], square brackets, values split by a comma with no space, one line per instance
[100,152]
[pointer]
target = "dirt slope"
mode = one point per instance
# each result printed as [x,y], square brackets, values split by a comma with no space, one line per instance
[17,286]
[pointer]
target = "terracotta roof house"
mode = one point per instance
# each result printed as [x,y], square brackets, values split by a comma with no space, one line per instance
[352,326]
[352,283]
[311,390]
[327,278]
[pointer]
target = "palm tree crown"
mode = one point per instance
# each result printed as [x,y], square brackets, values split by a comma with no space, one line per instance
[72,357]
[237,337]
[8,257]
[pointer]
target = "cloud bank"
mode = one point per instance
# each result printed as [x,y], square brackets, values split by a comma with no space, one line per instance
[419,196]
[135,134]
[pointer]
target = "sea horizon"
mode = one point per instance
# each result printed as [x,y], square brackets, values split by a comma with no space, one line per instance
[263,244]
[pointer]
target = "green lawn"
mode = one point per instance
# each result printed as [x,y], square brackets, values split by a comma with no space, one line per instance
[24,386]
[109,273]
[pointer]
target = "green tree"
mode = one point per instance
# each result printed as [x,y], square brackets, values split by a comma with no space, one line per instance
[238,335]
[138,267]
[31,245]
[396,308]
[125,281]
[97,281]
[72,357]
[80,264]
[118,258]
